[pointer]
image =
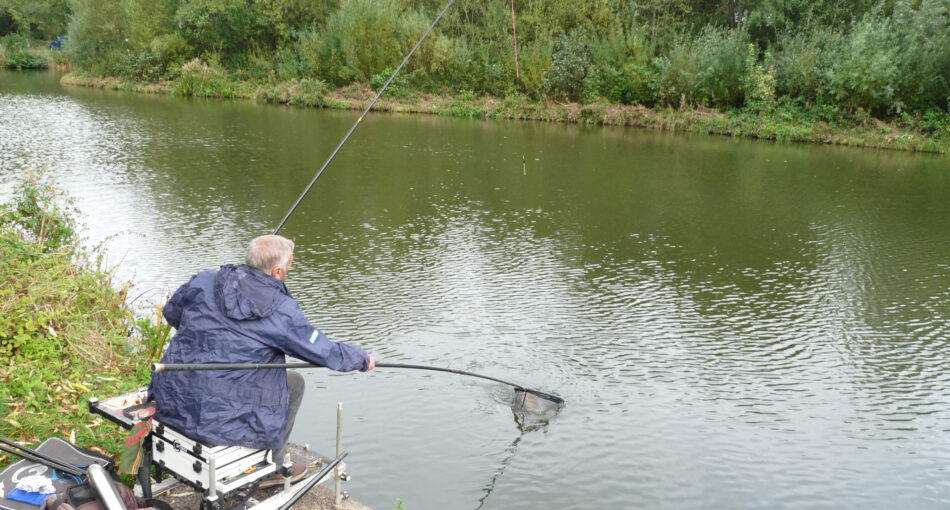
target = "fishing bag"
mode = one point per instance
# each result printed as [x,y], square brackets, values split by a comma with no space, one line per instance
[55,449]
[83,497]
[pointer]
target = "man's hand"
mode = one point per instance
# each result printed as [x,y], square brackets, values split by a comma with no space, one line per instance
[372,364]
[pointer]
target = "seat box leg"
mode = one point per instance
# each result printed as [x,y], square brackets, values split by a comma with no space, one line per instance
[145,469]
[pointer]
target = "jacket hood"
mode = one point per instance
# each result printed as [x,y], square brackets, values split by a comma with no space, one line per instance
[244,293]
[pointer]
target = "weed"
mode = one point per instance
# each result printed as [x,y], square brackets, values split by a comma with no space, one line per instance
[63,325]
[154,334]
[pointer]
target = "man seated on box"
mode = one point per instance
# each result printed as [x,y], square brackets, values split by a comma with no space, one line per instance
[243,314]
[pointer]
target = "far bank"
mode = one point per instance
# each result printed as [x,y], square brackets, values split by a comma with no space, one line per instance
[785,120]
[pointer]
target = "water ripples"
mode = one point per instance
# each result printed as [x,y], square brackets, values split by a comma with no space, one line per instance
[750,352]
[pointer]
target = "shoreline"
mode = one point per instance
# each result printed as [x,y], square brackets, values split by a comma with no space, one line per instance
[781,125]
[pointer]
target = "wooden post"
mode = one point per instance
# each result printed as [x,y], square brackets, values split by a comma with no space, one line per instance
[514,32]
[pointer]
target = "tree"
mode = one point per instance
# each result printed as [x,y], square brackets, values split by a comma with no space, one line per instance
[97,34]
[227,27]
[148,19]
[47,17]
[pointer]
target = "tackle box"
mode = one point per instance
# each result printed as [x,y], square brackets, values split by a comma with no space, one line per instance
[208,468]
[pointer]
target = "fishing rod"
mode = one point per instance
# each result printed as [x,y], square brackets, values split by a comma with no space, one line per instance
[357,123]
[179,367]
[38,457]
[521,392]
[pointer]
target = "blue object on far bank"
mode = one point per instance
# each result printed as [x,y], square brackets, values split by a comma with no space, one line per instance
[58,42]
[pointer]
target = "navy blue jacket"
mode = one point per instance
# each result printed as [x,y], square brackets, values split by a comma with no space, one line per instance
[238,315]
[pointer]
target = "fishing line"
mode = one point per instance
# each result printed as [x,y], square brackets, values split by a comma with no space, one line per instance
[357,123]
[537,401]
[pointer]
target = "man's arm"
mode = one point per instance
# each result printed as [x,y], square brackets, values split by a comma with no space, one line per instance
[308,343]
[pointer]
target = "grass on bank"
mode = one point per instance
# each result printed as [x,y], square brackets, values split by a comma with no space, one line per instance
[65,329]
[782,119]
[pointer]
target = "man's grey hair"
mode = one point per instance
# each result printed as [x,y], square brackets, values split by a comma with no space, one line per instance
[270,251]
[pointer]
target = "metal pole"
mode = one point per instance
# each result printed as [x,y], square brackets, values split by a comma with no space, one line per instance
[337,483]
[288,468]
[315,479]
[212,476]
[104,488]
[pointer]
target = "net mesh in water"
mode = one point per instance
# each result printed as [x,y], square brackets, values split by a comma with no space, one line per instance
[535,401]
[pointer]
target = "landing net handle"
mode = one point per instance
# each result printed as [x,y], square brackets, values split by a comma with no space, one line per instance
[178,367]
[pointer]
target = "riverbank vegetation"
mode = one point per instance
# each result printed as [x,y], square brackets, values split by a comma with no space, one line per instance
[15,54]
[26,29]
[865,72]
[64,327]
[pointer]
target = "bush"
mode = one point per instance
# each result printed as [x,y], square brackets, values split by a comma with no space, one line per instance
[58,57]
[720,66]
[148,20]
[569,66]
[396,89]
[324,58]
[259,66]
[620,71]
[535,60]
[39,222]
[881,56]
[708,70]
[41,215]
[25,60]
[226,27]
[64,327]
[803,62]
[16,54]
[13,42]
[290,64]
[171,49]
[866,69]
[361,39]
[437,56]
[97,33]
[202,80]
[923,36]
[759,81]
[630,84]
[935,121]
[144,66]
[493,76]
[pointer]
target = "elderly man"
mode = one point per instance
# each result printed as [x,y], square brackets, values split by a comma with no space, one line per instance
[243,314]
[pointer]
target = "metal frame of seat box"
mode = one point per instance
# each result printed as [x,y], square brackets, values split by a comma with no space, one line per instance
[222,473]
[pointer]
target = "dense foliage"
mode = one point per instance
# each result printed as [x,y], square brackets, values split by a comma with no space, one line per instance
[44,19]
[15,54]
[883,57]
[64,326]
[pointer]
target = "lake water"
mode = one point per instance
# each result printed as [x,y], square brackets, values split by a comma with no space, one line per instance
[733,324]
